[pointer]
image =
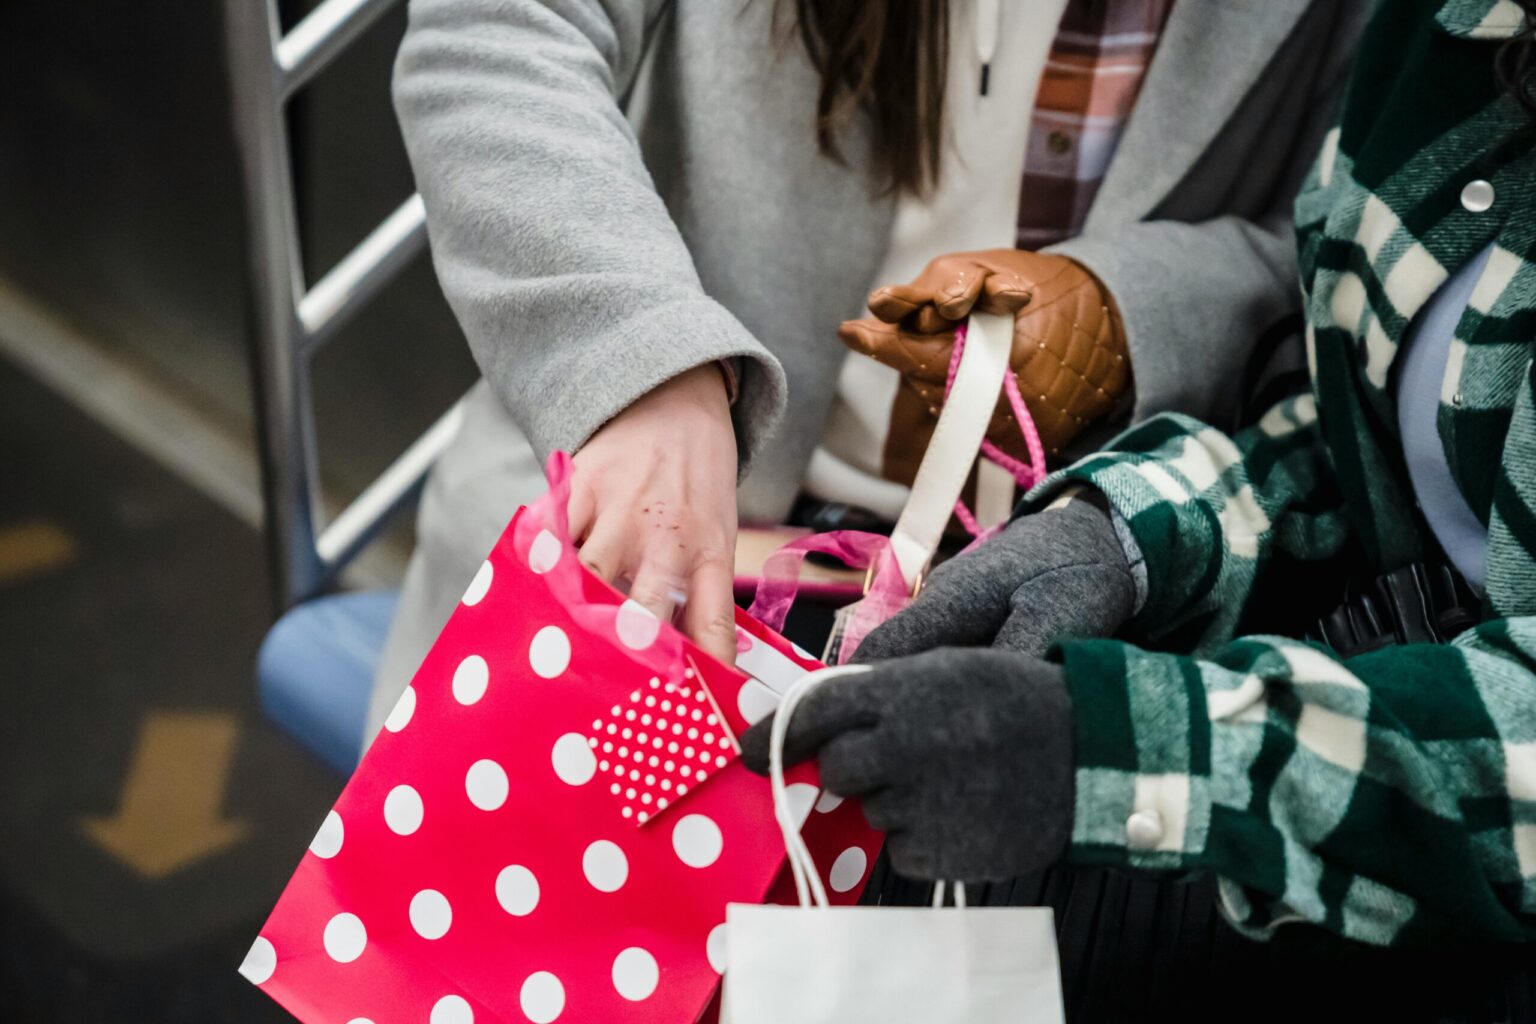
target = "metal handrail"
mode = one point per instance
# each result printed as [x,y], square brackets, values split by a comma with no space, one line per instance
[362,273]
[291,322]
[356,525]
[323,34]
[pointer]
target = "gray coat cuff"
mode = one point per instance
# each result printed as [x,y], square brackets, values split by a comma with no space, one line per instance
[562,399]
[1194,298]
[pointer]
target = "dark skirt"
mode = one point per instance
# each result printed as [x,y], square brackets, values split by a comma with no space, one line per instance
[1143,948]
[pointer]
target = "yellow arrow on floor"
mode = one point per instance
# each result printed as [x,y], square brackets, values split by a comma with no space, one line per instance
[32,548]
[171,812]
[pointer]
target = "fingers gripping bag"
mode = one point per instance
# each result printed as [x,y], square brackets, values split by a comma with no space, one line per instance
[554,818]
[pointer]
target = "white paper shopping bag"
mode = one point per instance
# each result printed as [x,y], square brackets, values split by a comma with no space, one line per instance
[881,965]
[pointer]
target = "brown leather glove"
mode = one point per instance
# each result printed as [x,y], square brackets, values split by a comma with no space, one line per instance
[1069,348]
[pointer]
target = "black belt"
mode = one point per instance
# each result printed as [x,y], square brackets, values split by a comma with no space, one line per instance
[1420,603]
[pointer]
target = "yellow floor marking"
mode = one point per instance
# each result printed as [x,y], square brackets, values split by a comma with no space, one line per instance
[171,811]
[32,548]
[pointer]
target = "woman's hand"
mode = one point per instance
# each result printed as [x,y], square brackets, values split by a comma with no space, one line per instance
[653,502]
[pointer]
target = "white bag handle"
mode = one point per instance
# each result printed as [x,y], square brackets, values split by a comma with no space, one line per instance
[957,438]
[808,885]
[938,894]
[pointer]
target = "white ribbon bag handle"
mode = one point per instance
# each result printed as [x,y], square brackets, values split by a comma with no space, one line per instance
[808,884]
[956,440]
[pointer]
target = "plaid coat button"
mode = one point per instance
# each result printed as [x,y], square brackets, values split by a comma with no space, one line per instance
[1477,196]
[1144,830]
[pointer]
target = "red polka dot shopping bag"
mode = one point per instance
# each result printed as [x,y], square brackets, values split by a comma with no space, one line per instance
[554,818]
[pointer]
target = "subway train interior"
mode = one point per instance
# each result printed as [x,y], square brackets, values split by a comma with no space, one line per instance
[226,367]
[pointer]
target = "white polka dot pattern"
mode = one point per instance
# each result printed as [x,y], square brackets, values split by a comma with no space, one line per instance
[636,625]
[403,810]
[486,785]
[714,947]
[550,652]
[327,841]
[848,869]
[345,938]
[542,997]
[635,974]
[544,552]
[661,741]
[470,680]
[801,796]
[260,963]
[400,715]
[517,890]
[542,801]
[430,914]
[451,1010]
[755,701]
[480,585]
[605,866]
[697,840]
[573,759]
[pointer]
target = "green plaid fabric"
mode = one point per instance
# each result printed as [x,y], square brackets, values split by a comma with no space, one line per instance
[1390,795]
[1482,19]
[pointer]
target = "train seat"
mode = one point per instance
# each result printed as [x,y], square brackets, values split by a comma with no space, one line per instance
[315,671]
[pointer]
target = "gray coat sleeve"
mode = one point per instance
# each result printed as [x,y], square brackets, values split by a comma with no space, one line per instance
[567,274]
[1195,297]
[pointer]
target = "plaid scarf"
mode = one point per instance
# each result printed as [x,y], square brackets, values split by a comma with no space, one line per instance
[1092,78]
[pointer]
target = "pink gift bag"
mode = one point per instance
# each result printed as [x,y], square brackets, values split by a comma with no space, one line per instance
[554,819]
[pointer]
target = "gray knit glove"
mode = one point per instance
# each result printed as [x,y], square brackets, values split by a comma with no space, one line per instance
[962,756]
[1052,575]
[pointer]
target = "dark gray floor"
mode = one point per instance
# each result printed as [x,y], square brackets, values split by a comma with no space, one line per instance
[134,618]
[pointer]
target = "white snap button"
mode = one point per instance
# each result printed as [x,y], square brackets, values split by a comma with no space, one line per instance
[1144,829]
[1477,197]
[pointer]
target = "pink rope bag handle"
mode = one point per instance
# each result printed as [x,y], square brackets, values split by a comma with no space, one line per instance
[1026,475]
[886,591]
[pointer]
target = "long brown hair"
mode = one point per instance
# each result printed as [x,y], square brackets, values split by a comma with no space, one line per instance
[887,59]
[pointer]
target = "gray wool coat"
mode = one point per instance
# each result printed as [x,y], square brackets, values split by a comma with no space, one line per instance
[620,190]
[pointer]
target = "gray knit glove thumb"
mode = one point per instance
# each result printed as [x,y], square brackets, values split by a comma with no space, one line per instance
[1056,574]
[962,756]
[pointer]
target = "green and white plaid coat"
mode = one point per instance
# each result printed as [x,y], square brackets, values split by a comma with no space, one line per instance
[1392,795]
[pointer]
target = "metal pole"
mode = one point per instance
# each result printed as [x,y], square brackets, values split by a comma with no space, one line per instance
[285,425]
[324,32]
[361,274]
[361,521]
